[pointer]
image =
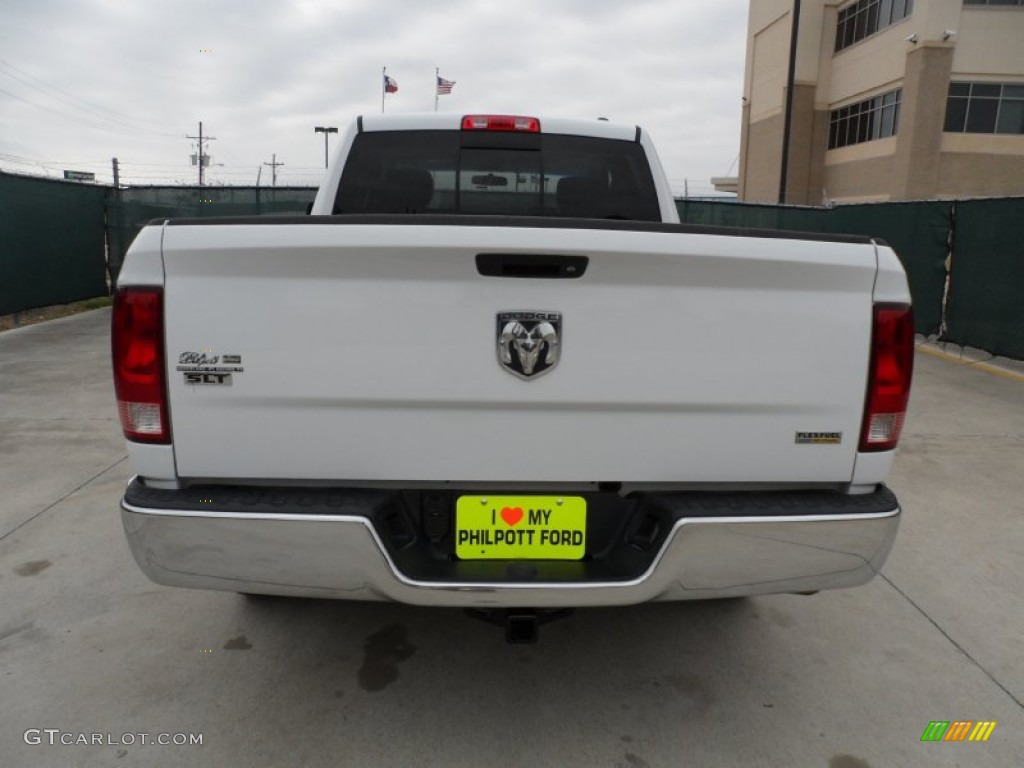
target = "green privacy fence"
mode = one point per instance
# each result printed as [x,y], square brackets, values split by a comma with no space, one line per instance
[59,241]
[64,241]
[982,241]
[51,242]
[131,209]
[985,307]
[918,232]
[727,213]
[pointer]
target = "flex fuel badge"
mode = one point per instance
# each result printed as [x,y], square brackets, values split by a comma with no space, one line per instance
[819,438]
[204,367]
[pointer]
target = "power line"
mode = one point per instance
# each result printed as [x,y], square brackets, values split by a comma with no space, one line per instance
[140,167]
[92,115]
[88,106]
[141,174]
[39,169]
[153,165]
[101,163]
[235,157]
[75,118]
[240,168]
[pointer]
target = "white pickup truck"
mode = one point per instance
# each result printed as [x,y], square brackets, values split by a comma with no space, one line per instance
[493,370]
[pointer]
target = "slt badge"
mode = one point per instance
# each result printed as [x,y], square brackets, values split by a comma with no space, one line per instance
[529,342]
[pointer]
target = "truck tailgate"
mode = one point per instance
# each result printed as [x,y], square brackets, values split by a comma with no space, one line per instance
[369,352]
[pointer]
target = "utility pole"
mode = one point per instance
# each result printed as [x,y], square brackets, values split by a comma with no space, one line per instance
[202,158]
[273,169]
[325,131]
[117,184]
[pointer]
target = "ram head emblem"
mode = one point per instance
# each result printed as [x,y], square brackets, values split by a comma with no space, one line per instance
[529,343]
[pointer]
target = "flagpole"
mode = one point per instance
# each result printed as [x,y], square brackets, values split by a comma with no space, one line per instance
[437,79]
[383,87]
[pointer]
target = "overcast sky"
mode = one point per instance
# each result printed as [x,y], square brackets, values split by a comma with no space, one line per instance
[82,81]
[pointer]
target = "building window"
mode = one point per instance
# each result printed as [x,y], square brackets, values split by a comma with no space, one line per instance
[985,108]
[995,3]
[866,120]
[865,17]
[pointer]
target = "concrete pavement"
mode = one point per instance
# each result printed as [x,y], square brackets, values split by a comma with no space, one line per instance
[843,679]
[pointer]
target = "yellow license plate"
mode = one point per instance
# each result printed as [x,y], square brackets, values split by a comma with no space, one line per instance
[520,527]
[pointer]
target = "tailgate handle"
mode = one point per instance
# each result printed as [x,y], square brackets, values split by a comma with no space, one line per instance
[530,265]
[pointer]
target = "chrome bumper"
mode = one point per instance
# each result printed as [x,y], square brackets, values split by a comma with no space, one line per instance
[342,556]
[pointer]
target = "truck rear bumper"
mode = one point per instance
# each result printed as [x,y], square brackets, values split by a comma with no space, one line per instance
[703,554]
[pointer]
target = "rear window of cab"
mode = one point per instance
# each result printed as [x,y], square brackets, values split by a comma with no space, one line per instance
[495,173]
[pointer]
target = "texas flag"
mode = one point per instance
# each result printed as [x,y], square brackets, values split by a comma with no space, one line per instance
[390,85]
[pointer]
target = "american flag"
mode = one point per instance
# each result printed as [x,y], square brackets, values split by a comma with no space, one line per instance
[444,86]
[390,85]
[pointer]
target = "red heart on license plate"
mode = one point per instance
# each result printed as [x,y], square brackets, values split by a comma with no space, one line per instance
[512,515]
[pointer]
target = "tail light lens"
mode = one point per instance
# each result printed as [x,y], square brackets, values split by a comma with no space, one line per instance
[140,380]
[501,123]
[891,368]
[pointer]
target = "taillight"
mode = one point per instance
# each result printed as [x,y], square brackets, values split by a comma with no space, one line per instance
[137,340]
[500,123]
[892,363]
